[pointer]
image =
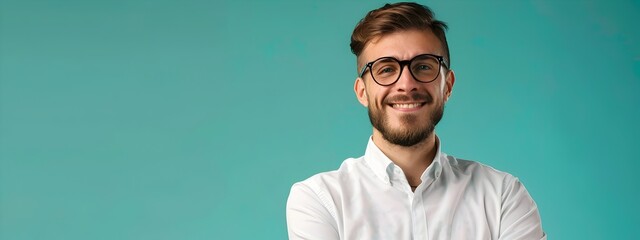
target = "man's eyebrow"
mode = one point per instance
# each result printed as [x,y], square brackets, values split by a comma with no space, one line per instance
[387,59]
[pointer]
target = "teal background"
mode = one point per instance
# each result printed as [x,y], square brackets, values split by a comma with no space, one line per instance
[191,119]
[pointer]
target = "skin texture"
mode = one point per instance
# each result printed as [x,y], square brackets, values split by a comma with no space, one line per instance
[404,45]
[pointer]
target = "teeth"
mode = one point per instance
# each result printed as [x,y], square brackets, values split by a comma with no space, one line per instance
[406,105]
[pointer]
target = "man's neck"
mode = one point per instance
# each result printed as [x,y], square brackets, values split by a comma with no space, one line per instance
[412,160]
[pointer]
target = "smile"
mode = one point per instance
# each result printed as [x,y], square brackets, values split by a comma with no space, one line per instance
[407,106]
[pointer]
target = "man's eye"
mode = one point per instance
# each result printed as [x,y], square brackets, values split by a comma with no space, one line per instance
[387,70]
[423,67]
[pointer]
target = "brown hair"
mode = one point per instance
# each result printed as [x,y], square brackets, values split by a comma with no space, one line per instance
[397,17]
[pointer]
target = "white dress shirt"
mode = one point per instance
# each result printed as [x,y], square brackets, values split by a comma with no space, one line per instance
[369,198]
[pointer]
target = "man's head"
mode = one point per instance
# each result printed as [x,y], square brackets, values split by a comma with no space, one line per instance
[403,62]
[397,17]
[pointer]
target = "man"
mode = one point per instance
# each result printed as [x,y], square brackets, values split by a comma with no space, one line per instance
[404,187]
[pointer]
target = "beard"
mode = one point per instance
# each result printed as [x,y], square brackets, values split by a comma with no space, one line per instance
[412,131]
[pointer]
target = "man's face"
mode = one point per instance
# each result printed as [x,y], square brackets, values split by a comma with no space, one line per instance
[406,112]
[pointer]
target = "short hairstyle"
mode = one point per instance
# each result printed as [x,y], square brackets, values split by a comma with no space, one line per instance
[397,17]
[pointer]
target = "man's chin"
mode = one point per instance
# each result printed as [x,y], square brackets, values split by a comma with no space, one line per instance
[405,130]
[408,123]
[406,137]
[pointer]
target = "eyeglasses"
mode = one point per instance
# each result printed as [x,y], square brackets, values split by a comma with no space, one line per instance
[386,71]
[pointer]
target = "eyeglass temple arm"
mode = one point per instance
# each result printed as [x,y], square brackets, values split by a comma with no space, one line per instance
[364,69]
[441,59]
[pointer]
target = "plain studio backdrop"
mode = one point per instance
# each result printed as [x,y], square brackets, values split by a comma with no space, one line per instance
[139,119]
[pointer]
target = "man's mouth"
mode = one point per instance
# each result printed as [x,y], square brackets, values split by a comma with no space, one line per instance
[408,103]
[407,106]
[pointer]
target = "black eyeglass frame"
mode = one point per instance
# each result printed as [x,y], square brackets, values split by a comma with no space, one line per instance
[402,64]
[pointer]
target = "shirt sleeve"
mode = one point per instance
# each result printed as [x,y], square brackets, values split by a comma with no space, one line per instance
[307,217]
[520,218]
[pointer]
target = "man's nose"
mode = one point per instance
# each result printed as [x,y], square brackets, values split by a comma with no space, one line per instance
[406,82]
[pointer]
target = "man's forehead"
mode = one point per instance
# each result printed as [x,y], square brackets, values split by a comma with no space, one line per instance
[402,45]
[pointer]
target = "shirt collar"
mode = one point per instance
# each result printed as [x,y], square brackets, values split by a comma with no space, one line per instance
[381,165]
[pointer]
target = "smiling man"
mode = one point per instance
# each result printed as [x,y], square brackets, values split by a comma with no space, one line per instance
[404,187]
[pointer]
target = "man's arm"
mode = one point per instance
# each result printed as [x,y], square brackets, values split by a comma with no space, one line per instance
[520,218]
[307,217]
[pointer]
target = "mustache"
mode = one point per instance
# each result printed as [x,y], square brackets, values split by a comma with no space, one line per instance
[414,97]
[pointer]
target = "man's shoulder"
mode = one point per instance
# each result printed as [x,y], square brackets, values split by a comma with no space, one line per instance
[334,177]
[476,169]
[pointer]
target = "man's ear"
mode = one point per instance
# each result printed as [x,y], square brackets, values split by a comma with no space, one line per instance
[449,81]
[361,92]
